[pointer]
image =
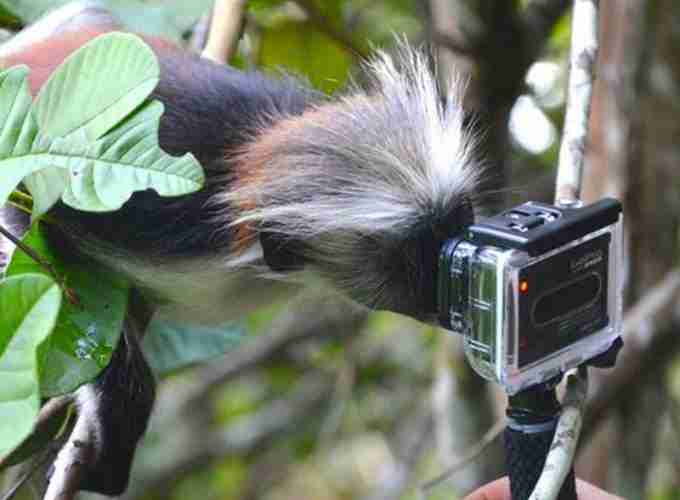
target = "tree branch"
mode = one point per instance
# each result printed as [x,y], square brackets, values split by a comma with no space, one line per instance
[225,30]
[584,47]
[199,35]
[560,458]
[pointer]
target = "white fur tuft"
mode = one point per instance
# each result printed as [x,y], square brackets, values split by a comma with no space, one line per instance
[354,178]
[376,160]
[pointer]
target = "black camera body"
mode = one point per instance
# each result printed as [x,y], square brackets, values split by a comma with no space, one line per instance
[535,290]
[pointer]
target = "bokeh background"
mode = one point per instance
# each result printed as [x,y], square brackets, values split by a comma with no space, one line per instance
[315,400]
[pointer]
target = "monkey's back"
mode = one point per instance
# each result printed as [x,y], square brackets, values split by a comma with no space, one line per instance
[211,111]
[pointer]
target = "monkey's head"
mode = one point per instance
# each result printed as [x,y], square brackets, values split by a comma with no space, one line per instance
[363,190]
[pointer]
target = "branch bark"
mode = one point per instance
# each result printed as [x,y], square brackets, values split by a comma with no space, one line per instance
[559,461]
[225,30]
[584,47]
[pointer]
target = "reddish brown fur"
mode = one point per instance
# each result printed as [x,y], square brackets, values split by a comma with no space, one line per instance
[254,164]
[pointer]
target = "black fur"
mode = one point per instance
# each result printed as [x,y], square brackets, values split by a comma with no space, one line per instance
[125,393]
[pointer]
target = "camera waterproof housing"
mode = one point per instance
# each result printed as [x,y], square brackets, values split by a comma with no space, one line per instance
[535,290]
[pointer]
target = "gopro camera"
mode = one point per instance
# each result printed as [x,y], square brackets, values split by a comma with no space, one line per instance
[535,290]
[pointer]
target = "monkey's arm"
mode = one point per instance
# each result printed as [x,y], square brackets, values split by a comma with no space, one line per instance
[113,413]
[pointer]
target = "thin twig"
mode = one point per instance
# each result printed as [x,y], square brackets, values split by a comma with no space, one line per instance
[560,458]
[22,198]
[584,46]
[39,259]
[69,293]
[468,456]
[19,207]
[199,36]
[225,30]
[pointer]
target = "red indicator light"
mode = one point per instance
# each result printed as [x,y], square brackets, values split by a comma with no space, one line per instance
[524,286]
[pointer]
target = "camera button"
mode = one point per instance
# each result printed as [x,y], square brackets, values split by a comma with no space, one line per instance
[527,223]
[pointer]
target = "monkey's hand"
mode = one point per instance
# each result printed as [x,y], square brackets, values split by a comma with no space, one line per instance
[113,412]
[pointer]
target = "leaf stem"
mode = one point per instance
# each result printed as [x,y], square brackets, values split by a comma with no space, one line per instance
[21,198]
[42,262]
[19,206]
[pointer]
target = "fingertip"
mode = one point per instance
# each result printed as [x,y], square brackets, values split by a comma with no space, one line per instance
[496,490]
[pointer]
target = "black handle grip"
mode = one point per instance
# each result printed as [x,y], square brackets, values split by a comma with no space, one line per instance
[525,454]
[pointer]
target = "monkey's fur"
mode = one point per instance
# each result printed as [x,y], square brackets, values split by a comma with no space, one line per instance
[354,193]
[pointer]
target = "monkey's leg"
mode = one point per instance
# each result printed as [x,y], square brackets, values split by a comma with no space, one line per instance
[113,412]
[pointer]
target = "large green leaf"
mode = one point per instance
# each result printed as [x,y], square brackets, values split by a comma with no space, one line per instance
[100,180]
[86,334]
[29,305]
[169,347]
[103,175]
[100,175]
[97,86]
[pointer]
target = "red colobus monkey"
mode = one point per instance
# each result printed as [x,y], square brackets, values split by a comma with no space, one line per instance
[356,192]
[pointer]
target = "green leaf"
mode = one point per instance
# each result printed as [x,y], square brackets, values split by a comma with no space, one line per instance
[85,336]
[17,129]
[128,159]
[300,47]
[29,305]
[100,176]
[169,347]
[46,187]
[97,86]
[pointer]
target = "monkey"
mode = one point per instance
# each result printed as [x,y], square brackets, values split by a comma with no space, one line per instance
[354,193]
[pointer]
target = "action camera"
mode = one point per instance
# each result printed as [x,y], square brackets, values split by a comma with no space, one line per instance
[535,290]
